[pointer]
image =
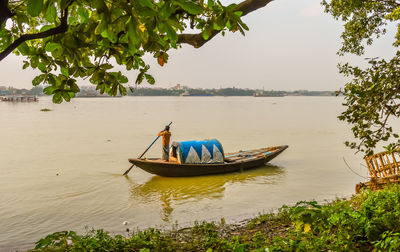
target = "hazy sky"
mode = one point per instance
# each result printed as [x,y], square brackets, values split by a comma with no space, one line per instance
[291,45]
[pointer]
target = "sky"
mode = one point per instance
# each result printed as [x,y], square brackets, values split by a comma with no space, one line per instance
[291,45]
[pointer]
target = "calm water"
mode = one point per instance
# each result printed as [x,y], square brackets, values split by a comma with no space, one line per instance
[61,170]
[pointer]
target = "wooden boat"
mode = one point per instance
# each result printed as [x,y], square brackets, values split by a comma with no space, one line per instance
[238,161]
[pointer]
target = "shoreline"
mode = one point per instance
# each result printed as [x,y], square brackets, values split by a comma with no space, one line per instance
[235,224]
[309,225]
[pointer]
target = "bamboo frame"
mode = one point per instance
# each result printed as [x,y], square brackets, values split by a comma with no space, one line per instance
[383,164]
[377,183]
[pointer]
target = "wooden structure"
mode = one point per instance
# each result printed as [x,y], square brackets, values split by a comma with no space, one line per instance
[377,183]
[383,164]
[238,161]
[383,168]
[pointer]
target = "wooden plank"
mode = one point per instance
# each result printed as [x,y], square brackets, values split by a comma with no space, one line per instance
[390,164]
[371,168]
[383,165]
[248,154]
[395,163]
[377,168]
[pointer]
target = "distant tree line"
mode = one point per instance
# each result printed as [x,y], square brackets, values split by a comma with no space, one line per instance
[224,92]
[90,91]
[154,92]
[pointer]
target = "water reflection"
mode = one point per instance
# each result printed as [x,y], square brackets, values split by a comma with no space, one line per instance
[179,191]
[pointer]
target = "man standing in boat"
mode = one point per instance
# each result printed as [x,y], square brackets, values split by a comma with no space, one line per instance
[166,135]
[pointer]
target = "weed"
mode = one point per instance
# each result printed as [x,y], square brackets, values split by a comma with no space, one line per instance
[364,222]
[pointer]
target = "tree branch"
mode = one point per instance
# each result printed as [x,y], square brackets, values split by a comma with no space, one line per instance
[5,12]
[197,40]
[63,27]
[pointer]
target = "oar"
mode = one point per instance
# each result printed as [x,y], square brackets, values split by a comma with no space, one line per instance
[127,171]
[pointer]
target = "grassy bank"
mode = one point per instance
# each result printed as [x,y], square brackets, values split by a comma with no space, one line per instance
[366,222]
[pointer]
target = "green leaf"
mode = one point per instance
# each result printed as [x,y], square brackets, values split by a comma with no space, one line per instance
[123,79]
[244,26]
[46,28]
[228,25]
[134,41]
[66,96]
[114,90]
[23,48]
[64,71]
[106,66]
[57,98]
[51,13]
[221,21]
[148,12]
[38,79]
[167,10]
[216,27]
[231,7]
[52,46]
[72,20]
[171,33]
[83,13]
[48,90]
[64,4]
[26,64]
[238,13]
[139,78]
[122,90]
[190,7]
[102,26]
[74,87]
[70,41]
[100,5]
[241,248]
[205,35]
[207,32]
[150,79]
[146,3]
[53,80]
[34,7]
[42,66]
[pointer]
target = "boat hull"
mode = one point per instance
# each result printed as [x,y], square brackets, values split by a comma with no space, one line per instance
[242,162]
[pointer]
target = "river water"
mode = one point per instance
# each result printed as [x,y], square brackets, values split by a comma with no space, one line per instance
[61,170]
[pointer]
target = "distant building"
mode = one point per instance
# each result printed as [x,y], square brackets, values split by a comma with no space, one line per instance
[179,87]
[4,92]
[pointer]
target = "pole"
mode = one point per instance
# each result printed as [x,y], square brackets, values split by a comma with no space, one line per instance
[127,171]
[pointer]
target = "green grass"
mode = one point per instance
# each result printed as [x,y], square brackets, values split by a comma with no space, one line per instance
[367,222]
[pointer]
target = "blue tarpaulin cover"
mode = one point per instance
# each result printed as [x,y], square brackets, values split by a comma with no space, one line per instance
[199,152]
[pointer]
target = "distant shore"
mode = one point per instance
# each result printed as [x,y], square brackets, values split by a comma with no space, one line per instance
[178,90]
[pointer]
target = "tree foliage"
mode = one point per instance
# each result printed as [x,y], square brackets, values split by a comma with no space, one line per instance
[371,97]
[71,39]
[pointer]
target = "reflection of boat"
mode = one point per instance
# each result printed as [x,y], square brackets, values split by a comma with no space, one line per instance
[237,161]
[172,192]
